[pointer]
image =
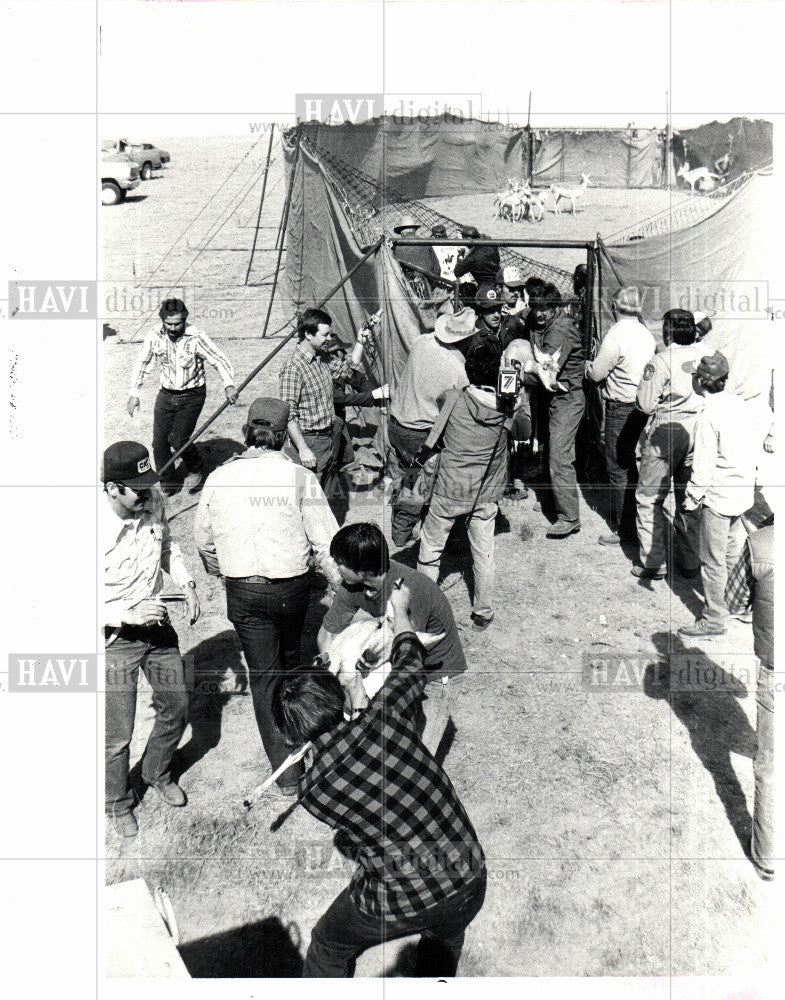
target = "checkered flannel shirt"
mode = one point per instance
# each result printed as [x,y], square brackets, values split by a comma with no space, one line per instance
[741,582]
[306,384]
[396,810]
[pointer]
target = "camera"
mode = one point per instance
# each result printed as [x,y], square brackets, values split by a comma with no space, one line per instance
[509,383]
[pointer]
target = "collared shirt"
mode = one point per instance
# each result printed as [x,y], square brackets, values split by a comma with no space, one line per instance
[728,439]
[262,515]
[432,369]
[563,335]
[374,781]
[182,360]
[626,349]
[135,550]
[306,384]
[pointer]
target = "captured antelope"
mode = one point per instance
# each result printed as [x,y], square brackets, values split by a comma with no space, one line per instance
[559,191]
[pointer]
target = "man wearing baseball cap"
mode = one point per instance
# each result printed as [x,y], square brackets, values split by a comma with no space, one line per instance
[260,517]
[138,633]
[434,367]
[666,395]
[488,304]
[728,443]
[626,349]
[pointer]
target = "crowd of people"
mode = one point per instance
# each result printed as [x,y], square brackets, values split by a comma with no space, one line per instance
[459,439]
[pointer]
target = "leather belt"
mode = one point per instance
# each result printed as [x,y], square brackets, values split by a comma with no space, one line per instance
[265,579]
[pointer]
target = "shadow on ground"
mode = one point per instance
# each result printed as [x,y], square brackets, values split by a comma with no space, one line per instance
[263,950]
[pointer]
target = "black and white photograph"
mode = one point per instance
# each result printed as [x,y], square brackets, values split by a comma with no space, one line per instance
[391,473]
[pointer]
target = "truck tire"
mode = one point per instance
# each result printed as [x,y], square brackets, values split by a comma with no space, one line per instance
[147,170]
[111,193]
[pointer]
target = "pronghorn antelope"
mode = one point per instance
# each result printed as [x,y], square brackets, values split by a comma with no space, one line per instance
[559,191]
[698,175]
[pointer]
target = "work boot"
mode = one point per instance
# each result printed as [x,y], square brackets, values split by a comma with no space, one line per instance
[125,824]
[612,538]
[644,573]
[170,792]
[702,628]
[481,622]
[561,529]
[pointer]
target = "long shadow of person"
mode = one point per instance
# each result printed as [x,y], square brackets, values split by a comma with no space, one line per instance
[214,451]
[262,950]
[704,698]
[209,691]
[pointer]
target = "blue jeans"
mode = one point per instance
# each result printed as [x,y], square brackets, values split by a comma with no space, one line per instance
[344,932]
[174,419]
[623,426]
[721,541]
[565,411]
[763,767]
[269,619]
[154,649]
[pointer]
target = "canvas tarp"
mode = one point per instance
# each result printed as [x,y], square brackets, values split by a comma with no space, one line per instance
[749,143]
[630,158]
[720,265]
[321,249]
[445,155]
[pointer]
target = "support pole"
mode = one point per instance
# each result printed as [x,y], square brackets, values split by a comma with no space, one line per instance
[211,419]
[261,204]
[284,221]
[530,141]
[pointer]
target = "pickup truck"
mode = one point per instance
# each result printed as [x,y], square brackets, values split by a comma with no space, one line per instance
[148,156]
[119,175]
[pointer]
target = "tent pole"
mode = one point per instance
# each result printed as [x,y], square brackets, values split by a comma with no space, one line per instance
[284,221]
[261,203]
[530,140]
[200,430]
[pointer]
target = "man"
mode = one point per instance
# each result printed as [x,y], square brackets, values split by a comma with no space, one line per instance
[751,584]
[551,330]
[420,866]
[481,262]
[306,384]
[471,478]
[667,395]
[728,441]
[259,519]
[488,305]
[421,257]
[138,633]
[511,283]
[623,355]
[433,368]
[181,349]
[368,576]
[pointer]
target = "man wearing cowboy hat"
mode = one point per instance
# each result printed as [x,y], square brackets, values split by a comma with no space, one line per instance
[626,349]
[138,633]
[260,517]
[419,256]
[434,366]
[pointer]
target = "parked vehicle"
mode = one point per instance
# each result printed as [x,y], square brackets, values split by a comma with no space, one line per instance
[148,156]
[119,175]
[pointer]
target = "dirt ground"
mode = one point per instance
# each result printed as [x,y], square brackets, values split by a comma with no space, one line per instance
[613,816]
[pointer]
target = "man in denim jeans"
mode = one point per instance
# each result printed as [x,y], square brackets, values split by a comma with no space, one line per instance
[751,582]
[138,634]
[260,518]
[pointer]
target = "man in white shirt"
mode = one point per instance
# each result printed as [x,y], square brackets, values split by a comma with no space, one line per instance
[625,351]
[138,633]
[260,517]
[728,440]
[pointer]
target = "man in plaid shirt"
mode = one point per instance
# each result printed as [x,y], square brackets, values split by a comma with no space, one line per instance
[420,865]
[306,384]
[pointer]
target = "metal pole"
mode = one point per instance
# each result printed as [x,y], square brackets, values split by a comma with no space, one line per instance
[530,140]
[200,430]
[547,244]
[588,310]
[284,221]
[261,203]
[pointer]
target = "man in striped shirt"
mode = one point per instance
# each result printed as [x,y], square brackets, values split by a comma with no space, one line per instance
[182,349]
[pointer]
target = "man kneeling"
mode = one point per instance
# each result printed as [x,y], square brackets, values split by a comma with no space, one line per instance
[421,867]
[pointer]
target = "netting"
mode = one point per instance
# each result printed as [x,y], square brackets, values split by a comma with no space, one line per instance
[693,209]
[373,210]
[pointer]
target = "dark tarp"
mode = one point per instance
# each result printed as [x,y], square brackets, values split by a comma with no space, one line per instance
[720,265]
[321,249]
[628,158]
[440,156]
[751,149]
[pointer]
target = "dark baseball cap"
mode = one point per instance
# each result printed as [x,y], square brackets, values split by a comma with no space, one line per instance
[712,368]
[488,298]
[470,233]
[438,231]
[267,411]
[128,463]
[680,320]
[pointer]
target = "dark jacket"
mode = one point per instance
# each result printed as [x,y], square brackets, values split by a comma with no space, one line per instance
[562,333]
[482,263]
[473,461]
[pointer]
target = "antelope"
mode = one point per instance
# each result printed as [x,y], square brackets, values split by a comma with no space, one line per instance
[692,177]
[559,191]
[536,200]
